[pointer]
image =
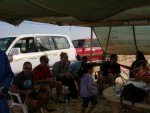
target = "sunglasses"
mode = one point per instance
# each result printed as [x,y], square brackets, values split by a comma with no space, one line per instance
[46,61]
[27,68]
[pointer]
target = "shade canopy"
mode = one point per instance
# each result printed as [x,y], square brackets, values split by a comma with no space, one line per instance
[121,40]
[76,12]
[97,14]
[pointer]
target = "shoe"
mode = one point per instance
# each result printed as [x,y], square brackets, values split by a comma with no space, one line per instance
[49,109]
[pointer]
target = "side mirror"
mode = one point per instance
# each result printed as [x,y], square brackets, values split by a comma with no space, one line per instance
[14,51]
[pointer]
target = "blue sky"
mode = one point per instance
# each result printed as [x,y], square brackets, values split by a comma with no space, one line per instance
[28,27]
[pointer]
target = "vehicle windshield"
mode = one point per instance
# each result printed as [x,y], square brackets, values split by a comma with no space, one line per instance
[6,42]
[78,43]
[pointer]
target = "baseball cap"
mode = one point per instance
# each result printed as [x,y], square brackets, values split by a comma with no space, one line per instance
[44,59]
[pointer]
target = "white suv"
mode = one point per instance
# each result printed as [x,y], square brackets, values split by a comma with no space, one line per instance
[30,47]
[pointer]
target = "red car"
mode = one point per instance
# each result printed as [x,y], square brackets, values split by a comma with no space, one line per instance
[82,47]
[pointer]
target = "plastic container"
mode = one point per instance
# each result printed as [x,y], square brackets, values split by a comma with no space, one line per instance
[117,89]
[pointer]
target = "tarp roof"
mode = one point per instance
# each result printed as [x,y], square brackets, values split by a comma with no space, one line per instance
[92,13]
[76,12]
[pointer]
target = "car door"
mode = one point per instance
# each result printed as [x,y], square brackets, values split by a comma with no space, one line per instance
[87,49]
[28,53]
[46,46]
[97,50]
[64,44]
[79,46]
[52,46]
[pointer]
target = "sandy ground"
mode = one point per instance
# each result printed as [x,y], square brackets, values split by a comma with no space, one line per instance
[104,106]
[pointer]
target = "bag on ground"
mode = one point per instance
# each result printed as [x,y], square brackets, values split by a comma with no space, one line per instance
[133,94]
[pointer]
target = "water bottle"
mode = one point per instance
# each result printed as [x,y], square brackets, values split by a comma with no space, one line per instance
[117,89]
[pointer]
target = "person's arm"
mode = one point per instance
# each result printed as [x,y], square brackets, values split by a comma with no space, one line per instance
[17,82]
[104,69]
[50,77]
[56,71]
[143,78]
[92,86]
[71,68]
[8,74]
[131,73]
[119,69]
[14,89]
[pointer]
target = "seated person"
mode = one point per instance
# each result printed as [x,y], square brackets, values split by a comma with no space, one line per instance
[75,68]
[23,84]
[139,57]
[61,72]
[109,70]
[43,77]
[139,68]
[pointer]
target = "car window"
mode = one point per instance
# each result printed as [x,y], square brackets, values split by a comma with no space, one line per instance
[78,43]
[6,42]
[26,45]
[61,42]
[87,44]
[52,46]
[44,43]
[96,43]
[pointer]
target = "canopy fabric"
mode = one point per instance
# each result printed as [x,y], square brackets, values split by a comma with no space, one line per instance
[97,14]
[122,41]
[77,12]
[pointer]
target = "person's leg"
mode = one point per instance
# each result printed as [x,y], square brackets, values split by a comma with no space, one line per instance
[91,108]
[83,110]
[100,82]
[36,100]
[32,104]
[71,84]
[45,89]
[85,102]
[58,86]
[42,99]
[94,101]
[111,79]
[72,88]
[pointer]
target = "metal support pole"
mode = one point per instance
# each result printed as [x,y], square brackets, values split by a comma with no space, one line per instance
[66,110]
[135,43]
[91,51]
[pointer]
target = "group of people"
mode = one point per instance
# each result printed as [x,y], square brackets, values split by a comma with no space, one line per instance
[110,70]
[36,83]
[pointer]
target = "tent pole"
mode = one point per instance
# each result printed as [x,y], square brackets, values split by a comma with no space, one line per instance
[91,45]
[97,38]
[104,54]
[135,43]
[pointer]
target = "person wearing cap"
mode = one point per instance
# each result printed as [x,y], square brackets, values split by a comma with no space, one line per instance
[42,76]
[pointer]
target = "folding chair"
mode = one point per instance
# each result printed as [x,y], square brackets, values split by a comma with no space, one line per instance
[19,103]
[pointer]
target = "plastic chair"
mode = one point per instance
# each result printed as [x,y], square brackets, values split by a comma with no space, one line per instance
[19,103]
